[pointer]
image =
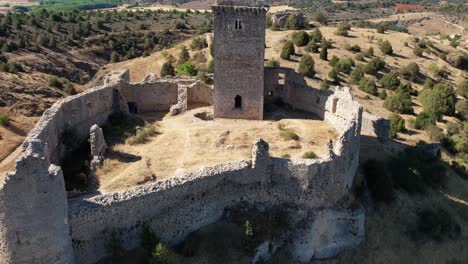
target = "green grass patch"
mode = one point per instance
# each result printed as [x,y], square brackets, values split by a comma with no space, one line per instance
[121,126]
[4,120]
[142,135]
[309,155]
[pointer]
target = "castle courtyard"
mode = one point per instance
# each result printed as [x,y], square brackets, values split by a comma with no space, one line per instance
[193,140]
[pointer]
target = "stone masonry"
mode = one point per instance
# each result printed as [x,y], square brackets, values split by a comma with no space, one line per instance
[239,45]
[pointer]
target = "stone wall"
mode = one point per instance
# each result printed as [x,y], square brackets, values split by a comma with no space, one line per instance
[36,218]
[376,126]
[239,48]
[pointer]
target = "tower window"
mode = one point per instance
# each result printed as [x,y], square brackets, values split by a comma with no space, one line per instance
[238,24]
[238,101]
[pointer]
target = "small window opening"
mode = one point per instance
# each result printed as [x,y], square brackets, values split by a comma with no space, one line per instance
[270,93]
[238,101]
[238,24]
[335,102]
[281,78]
[132,107]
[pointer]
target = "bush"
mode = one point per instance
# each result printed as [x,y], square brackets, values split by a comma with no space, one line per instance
[62,84]
[316,35]
[367,86]
[160,255]
[359,57]
[437,224]
[287,50]
[418,51]
[462,88]
[249,242]
[355,48]
[400,102]
[374,66]
[187,69]
[439,100]
[198,43]
[4,120]
[149,240]
[288,134]
[437,72]
[386,47]
[380,184]
[425,120]
[300,38]
[306,66]
[357,74]
[321,18]
[390,81]
[333,75]
[428,83]
[309,155]
[435,133]
[342,29]
[184,55]
[312,46]
[458,60]
[344,66]
[324,85]
[272,63]
[167,69]
[369,52]
[323,53]
[410,71]
[333,61]
[397,124]
[142,135]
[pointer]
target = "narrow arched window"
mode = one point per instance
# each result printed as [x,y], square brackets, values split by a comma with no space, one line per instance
[238,101]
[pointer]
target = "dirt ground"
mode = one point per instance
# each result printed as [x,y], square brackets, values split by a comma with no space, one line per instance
[187,143]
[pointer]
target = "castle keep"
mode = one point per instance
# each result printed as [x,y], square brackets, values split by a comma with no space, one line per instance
[238,59]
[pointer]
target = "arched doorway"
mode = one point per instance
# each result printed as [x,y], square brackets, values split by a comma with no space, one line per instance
[238,101]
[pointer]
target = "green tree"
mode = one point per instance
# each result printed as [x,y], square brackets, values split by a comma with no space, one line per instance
[462,88]
[382,27]
[312,46]
[410,71]
[321,18]
[184,55]
[374,66]
[287,50]
[390,81]
[439,100]
[323,51]
[342,29]
[386,47]
[272,63]
[333,61]
[418,51]
[367,86]
[356,74]
[306,66]
[400,102]
[187,69]
[167,69]
[369,52]
[397,124]
[334,76]
[316,35]
[292,22]
[114,57]
[160,255]
[301,38]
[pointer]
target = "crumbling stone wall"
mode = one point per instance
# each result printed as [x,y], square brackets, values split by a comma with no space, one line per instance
[35,219]
[376,126]
[238,59]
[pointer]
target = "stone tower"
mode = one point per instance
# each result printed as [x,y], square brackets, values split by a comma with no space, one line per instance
[239,46]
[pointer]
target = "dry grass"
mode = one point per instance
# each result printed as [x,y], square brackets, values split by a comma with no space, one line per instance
[187,143]
[142,135]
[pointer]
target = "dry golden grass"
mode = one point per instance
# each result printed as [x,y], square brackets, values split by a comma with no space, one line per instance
[187,143]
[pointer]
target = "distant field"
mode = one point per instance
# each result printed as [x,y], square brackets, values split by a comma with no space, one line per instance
[62,5]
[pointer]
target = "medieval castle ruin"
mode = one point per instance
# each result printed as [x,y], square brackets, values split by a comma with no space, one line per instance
[38,224]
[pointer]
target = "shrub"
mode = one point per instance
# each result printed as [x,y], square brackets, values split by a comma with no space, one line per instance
[149,240]
[198,43]
[285,156]
[300,38]
[344,66]
[435,133]
[458,60]
[418,51]
[312,46]
[287,50]
[397,124]
[359,57]
[249,242]
[410,71]
[4,120]
[369,52]
[187,69]
[439,100]
[390,81]
[324,85]
[382,27]
[437,72]
[367,86]
[462,88]
[309,155]
[461,108]
[333,61]
[425,120]
[321,18]
[437,224]
[400,102]
[342,29]
[292,22]
[323,53]
[288,134]
[386,47]
[355,48]
[333,75]
[428,83]
[167,69]
[374,66]
[357,74]
[316,35]
[380,184]
[160,255]
[383,94]
[306,66]
[184,55]
[142,135]
[272,63]
[211,66]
